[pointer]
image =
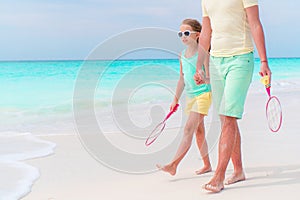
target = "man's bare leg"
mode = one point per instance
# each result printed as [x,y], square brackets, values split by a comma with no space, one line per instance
[202,146]
[226,145]
[236,158]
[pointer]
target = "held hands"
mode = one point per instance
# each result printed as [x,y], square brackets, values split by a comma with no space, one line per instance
[200,78]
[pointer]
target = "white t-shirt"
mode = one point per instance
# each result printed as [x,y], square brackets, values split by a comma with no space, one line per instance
[230,29]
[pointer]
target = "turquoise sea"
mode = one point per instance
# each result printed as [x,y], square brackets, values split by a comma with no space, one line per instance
[37,93]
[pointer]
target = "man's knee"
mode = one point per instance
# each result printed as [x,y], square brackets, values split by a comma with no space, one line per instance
[228,120]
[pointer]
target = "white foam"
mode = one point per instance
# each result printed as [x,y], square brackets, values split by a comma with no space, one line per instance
[19,177]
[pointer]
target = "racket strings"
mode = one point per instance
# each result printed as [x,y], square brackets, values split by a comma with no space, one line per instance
[274,114]
[155,133]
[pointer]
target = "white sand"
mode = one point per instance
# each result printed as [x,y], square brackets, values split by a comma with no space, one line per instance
[271,163]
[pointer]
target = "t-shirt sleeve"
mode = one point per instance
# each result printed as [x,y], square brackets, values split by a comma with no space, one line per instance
[249,3]
[204,11]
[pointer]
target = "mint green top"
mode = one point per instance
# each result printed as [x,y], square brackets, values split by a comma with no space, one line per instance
[189,70]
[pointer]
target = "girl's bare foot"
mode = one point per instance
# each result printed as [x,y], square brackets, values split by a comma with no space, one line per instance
[171,169]
[235,178]
[204,170]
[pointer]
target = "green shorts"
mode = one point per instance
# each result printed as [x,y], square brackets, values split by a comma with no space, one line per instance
[230,78]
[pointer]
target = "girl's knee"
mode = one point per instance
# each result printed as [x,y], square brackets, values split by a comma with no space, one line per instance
[189,128]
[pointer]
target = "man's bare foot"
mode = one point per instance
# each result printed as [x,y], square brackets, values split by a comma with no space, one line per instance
[213,188]
[171,169]
[235,178]
[204,170]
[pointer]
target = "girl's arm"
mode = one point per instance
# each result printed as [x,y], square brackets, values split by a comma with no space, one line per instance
[206,67]
[179,88]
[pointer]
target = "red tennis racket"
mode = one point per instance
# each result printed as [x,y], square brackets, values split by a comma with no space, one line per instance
[159,128]
[273,108]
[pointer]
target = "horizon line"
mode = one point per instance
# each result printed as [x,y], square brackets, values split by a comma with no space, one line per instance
[126,59]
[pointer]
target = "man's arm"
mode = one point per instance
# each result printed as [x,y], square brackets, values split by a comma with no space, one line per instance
[259,38]
[203,47]
[204,42]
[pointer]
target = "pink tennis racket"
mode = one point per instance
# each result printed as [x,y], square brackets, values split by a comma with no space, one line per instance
[159,128]
[273,108]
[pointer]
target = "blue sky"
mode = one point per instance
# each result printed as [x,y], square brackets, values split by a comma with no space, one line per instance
[70,29]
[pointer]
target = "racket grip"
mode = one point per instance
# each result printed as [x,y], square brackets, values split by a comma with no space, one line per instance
[172,111]
[268,89]
[175,107]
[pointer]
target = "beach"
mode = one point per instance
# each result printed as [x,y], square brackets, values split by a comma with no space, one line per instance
[58,141]
[271,163]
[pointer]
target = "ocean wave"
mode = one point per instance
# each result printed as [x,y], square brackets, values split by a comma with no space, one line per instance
[19,177]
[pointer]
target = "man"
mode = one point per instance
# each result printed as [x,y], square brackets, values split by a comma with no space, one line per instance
[228,27]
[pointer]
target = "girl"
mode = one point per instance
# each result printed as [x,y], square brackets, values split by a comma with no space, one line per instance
[198,98]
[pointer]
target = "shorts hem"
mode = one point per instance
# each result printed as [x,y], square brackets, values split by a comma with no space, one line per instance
[202,113]
[232,115]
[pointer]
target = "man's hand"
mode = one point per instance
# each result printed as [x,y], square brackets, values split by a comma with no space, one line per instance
[265,70]
[199,78]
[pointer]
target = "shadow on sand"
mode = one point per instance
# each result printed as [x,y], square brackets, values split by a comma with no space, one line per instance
[272,176]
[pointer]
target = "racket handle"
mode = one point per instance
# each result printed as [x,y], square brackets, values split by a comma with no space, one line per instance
[175,107]
[171,112]
[269,90]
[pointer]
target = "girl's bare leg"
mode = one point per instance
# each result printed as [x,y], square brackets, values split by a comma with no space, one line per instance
[202,145]
[189,129]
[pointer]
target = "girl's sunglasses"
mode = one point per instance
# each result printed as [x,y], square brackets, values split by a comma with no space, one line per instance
[185,33]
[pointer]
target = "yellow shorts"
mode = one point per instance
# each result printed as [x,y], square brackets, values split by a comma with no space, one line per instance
[199,104]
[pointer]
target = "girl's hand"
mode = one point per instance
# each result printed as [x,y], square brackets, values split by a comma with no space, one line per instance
[172,106]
